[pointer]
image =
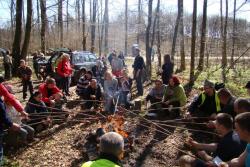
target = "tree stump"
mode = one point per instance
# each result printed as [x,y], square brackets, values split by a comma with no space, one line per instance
[138,104]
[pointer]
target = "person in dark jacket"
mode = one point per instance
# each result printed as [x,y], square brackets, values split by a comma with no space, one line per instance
[248,87]
[25,74]
[167,69]
[227,100]
[83,83]
[4,120]
[93,92]
[139,66]
[230,145]
[207,104]
[7,62]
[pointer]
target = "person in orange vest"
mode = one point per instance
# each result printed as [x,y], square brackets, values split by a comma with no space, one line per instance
[111,151]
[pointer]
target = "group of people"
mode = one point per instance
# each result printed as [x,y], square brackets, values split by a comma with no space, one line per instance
[100,85]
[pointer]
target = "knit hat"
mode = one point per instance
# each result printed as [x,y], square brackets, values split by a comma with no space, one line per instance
[248,85]
[208,83]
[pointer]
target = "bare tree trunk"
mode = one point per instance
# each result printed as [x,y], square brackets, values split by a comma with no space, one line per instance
[234,36]
[182,40]
[139,21]
[18,36]
[43,25]
[67,16]
[78,15]
[158,33]
[194,24]
[27,29]
[93,26]
[148,51]
[83,26]
[106,23]
[100,27]
[12,10]
[175,34]
[224,46]
[126,27]
[203,37]
[60,22]
[38,12]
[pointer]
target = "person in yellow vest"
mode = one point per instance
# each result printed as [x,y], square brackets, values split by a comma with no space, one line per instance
[207,104]
[111,151]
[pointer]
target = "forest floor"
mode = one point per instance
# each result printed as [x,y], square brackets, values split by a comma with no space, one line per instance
[154,145]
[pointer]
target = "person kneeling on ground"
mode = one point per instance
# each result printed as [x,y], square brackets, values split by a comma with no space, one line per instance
[111,151]
[174,96]
[207,104]
[156,94]
[34,106]
[51,95]
[26,133]
[227,100]
[93,95]
[229,146]
[83,83]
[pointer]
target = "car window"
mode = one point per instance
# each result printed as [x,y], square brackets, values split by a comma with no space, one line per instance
[80,58]
[92,58]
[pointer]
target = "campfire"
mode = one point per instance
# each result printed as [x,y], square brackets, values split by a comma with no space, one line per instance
[114,123]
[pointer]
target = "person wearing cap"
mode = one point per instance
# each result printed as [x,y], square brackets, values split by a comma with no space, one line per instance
[207,104]
[248,87]
[175,95]
[139,66]
[229,146]
[111,151]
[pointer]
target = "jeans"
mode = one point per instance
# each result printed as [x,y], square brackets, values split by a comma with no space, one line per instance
[26,132]
[26,84]
[139,84]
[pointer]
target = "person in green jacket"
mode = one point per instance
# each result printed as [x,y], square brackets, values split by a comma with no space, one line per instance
[111,151]
[174,95]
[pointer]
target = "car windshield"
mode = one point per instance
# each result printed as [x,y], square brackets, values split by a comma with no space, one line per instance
[79,58]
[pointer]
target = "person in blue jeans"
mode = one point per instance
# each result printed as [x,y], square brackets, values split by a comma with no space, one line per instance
[138,71]
[5,120]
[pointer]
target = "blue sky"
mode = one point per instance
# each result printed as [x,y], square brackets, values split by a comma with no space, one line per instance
[117,6]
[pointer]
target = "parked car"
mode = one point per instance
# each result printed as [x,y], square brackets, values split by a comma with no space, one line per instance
[78,60]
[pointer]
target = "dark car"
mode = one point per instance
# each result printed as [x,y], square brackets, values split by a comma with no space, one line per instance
[78,60]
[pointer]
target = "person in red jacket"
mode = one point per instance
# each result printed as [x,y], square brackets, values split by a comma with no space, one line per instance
[11,98]
[50,92]
[64,70]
